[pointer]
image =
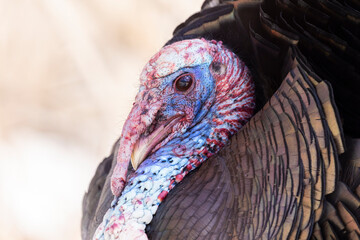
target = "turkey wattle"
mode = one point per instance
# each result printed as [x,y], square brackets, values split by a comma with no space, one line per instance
[194,95]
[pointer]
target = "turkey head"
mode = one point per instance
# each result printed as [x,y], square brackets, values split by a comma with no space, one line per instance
[194,94]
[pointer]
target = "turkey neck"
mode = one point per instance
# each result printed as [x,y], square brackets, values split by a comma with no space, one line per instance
[159,173]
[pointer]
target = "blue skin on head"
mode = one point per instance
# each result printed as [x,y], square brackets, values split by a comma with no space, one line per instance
[194,100]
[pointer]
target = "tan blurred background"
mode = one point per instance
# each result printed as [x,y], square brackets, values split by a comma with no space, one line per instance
[68,75]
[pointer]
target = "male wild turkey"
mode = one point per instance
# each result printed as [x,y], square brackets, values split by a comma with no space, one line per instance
[291,170]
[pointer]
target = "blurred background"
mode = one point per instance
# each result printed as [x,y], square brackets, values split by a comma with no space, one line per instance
[68,75]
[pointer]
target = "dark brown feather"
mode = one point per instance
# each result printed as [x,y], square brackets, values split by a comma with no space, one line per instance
[97,199]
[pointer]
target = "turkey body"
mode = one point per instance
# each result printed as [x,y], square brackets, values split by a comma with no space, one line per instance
[292,172]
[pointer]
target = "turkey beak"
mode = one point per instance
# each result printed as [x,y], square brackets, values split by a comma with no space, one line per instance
[147,144]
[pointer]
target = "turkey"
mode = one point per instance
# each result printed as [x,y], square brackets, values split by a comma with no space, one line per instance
[246,126]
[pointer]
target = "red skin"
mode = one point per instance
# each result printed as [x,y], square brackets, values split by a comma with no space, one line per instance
[162,195]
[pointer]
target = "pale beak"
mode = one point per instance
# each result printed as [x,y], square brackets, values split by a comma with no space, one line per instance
[146,145]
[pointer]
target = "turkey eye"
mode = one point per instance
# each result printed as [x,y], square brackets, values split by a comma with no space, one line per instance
[183,82]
